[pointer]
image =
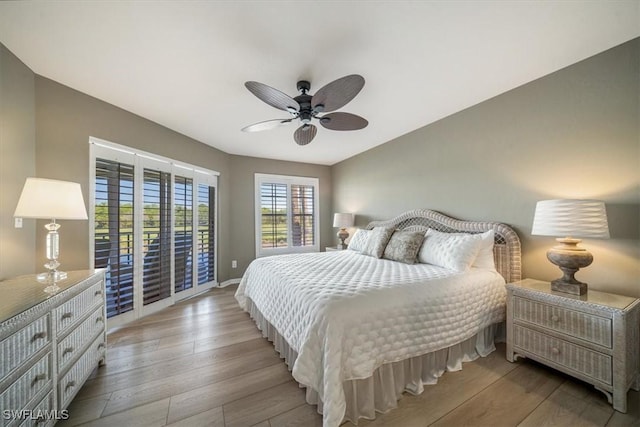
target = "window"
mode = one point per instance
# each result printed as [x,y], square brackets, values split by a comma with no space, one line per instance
[286,214]
[143,215]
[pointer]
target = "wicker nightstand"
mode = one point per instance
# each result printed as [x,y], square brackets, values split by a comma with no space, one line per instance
[594,337]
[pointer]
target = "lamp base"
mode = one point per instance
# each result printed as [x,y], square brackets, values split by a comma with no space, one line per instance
[570,258]
[51,276]
[559,285]
[343,234]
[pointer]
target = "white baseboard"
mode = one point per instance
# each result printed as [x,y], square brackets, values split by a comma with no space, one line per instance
[229,282]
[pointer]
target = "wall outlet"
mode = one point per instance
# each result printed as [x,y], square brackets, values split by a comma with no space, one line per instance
[234,264]
[17,222]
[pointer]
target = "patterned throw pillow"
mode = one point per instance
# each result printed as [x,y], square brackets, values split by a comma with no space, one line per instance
[404,246]
[377,241]
[450,250]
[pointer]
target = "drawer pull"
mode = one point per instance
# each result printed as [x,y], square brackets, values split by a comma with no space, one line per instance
[555,350]
[98,292]
[67,350]
[66,315]
[38,335]
[69,385]
[555,318]
[99,319]
[38,378]
[101,346]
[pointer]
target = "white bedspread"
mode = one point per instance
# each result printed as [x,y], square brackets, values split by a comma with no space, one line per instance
[346,314]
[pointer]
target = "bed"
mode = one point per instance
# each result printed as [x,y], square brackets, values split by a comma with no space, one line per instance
[357,331]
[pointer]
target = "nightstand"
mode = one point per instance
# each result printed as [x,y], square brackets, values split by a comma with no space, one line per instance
[593,337]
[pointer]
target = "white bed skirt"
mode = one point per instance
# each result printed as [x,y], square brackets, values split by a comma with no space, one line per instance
[381,391]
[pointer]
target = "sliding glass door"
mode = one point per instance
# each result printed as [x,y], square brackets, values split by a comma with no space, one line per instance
[154,229]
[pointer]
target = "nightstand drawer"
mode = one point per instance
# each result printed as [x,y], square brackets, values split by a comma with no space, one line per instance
[591,363]
[575,323]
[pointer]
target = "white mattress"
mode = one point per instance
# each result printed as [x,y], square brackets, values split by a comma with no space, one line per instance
[345,314]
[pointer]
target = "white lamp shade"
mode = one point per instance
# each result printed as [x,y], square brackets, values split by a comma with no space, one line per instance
[571,218]
[343,220]
[51,199]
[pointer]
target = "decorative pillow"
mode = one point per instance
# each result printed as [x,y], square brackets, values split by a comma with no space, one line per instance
[377,241]
[404,246]
[455,251]
[359,240]
[485,254]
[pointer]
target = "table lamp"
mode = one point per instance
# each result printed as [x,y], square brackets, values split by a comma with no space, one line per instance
[54,200]
[569,220]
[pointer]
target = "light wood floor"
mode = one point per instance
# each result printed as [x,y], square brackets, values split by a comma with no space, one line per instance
[202,362]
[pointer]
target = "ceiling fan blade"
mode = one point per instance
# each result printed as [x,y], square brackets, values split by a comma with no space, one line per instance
[343,121]
[305,134]
[273,97]
[338,93]
[266,125]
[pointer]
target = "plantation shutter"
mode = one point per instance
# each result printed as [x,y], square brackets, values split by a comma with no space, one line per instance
[274,215]
[156,236]
[183,232]
[206,233]
[303,215]
[286,214]
[114,233]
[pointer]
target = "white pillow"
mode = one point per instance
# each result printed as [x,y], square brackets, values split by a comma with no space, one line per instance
[359,240]
[485,254]
[455,251]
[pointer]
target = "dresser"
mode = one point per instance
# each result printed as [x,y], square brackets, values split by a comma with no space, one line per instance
[593,337]
[49,344]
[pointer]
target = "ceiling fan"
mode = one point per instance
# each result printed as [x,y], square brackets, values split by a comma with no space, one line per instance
[306,108]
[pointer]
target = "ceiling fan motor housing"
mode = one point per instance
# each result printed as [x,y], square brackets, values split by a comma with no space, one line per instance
[305,114]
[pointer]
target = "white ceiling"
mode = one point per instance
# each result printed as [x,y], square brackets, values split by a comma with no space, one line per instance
[184,64]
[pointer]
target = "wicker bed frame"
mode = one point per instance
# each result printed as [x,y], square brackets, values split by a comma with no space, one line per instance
[506,249]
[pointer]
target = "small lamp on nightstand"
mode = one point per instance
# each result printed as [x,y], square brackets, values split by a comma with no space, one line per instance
[342,221]
[570,218]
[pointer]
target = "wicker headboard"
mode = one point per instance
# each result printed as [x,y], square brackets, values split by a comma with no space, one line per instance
[506,249]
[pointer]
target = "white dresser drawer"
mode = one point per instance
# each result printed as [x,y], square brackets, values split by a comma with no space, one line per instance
[72,381]
[25,388]
[73,344]
[71,311]
[588,327]
[19,347]
[41,414]
[587,362]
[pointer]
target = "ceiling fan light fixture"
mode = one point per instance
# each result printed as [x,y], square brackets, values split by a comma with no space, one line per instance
[306,107]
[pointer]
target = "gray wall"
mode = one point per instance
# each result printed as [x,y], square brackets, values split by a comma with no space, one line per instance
[66,118]
[572,134]
[17,162]
[243,170]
